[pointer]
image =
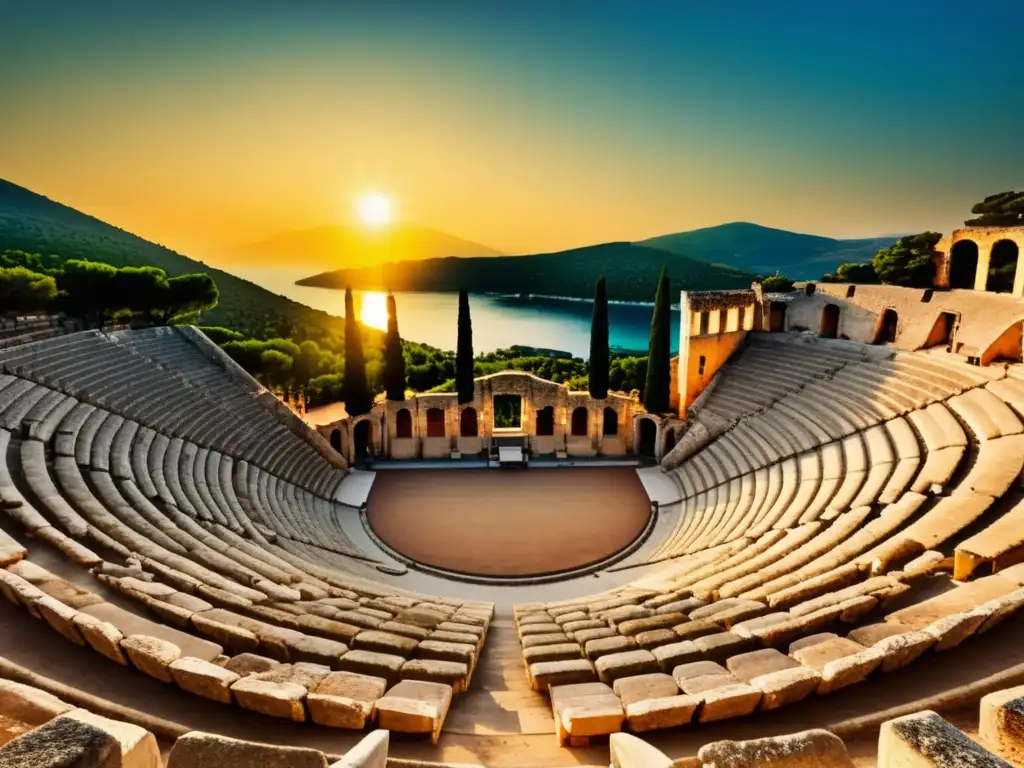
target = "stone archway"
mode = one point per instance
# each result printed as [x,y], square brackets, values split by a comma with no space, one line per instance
[1002,267]
[963,264]
[336,440]
[468,423]
[435,422]
[546,421]
[403,423]
[829,326]
[648,441]
[361,439]
[610,427]
[888,325]
[580,420]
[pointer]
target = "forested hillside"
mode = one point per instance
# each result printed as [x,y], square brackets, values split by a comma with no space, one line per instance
[631,270]
[36,224]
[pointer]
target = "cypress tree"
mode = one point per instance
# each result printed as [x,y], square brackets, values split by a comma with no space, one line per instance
[464,351]
[599,355]
[656,389]
[394,362]
[358,399]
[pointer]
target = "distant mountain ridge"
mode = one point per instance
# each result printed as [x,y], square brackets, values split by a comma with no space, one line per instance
[631,269]
[765,250]
[713,258]
[335,247]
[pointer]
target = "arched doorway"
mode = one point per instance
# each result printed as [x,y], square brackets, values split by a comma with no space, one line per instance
[361,437]
[888,324]
[777,316]
[941,334]
[611,422]
[670,441]
[648,437]
[579,422]
[1002,267]
[468,423]
[546,421]
[963,264]
[336,440]
[829,327]
[403,423]
[435,422]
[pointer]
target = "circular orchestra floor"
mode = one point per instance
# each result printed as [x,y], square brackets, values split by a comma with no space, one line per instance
[510,522]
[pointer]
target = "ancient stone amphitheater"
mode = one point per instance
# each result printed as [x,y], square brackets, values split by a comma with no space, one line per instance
[830,576]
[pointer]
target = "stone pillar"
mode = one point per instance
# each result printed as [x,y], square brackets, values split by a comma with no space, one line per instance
[981,275]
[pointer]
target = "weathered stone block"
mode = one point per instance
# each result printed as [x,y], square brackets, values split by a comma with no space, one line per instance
[414,706]
[63,742]
[151,655]
[626,664]
[548,673]
[208,750]
[283,700]
[808,749]
[138,746]
[203,678]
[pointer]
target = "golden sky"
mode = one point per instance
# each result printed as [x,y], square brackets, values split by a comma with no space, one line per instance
[205,126]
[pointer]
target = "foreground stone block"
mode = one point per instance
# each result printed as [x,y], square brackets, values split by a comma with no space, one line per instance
[103,636]
[1002,723]
[137,745]
[662,712]
[451,673]
[245,664]
[208,750]
[652,686]
[29,705]
[152,655]
[557,652]
[925,740]
[413,706]
[345,700]
[371,752]
[732,700]
[549,673]
[63,742]
[610,668]
[371,663]
[203,678]
[630,752]
[585,710]
[807,749]
[283,700]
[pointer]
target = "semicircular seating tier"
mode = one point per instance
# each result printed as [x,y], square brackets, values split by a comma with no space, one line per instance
[200,541]
[845,510]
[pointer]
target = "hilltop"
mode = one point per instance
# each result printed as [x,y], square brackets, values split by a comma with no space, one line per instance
[333,247]
[632,272]
[765,250]
[35,223]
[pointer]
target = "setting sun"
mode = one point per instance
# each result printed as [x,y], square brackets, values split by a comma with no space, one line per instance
[374,311]
[374,209]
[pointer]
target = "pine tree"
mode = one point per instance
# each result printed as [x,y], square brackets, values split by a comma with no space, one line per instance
[656,389]
[464,351]
[358,399]
[394,362]
[599,355]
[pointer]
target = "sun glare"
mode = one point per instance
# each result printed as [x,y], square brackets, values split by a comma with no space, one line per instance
[374,209]
[374,311]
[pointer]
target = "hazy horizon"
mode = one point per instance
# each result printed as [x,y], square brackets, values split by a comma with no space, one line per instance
[533,128]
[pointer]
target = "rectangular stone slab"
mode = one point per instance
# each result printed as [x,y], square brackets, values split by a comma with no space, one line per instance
[130,624]
[664,712]
[582,711]
[925,740]
[610,668]
[414,706]
[548,673]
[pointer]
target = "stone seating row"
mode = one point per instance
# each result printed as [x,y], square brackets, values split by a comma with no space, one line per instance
[44,730]
[923,739]
[669,687]
[302,677]
[215,411]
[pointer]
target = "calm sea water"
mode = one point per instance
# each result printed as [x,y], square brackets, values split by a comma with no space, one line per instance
[498,322]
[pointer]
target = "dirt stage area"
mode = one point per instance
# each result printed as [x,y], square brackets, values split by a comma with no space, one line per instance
[509,522]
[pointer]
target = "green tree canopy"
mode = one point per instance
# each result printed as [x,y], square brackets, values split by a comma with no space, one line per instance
[394,360]
[909,261]
[220,336]
[1005,209]
[358,398]
[852,273]
[777,284]
[464,351]
[275,366]
[659,373]
[22,290]
[190,294]
[597,381]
